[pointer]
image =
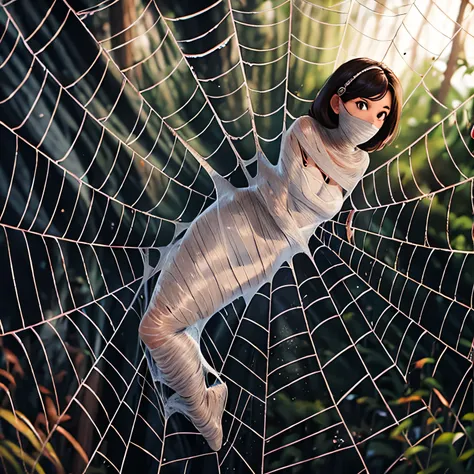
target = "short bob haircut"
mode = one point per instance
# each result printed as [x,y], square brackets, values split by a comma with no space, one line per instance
[373,85]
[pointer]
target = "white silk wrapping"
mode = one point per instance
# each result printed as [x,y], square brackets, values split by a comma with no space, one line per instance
[234,247]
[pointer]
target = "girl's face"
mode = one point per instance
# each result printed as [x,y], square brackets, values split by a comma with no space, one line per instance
[372,111]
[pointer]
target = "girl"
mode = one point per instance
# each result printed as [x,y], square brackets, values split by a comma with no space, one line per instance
[238,243]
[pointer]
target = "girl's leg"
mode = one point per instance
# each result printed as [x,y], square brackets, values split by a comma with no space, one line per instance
[193,285]
[178,357]
[202,277]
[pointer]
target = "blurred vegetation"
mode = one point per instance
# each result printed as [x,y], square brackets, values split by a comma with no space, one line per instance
[435,440]
[21,440]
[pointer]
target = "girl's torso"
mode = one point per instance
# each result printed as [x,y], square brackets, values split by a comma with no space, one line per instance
[306,195]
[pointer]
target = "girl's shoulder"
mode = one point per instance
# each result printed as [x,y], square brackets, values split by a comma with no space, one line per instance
[304,129]
[305,119]
[304,124]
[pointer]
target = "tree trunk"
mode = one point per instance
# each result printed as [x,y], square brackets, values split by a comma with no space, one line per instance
[451,64]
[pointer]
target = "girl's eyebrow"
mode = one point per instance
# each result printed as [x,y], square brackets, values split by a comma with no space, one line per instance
[384,107]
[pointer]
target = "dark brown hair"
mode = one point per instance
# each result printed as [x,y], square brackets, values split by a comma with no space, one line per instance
[372,84]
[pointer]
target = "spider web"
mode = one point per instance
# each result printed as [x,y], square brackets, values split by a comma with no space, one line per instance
[105,107]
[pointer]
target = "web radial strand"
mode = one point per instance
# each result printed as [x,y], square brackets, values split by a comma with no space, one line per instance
[165,37]
[107,109]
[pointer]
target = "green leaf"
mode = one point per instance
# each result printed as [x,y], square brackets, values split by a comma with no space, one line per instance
[432,383]
[468,454]
[465,342]
[404,425]
[20,453]
[4,453]
[468,417]
[23,425]
[448,438]
[437,421]
[414,450]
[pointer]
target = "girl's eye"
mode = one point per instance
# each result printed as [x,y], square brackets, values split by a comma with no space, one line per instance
[361,103]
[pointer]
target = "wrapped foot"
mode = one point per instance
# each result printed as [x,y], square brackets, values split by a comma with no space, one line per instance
[216,399]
